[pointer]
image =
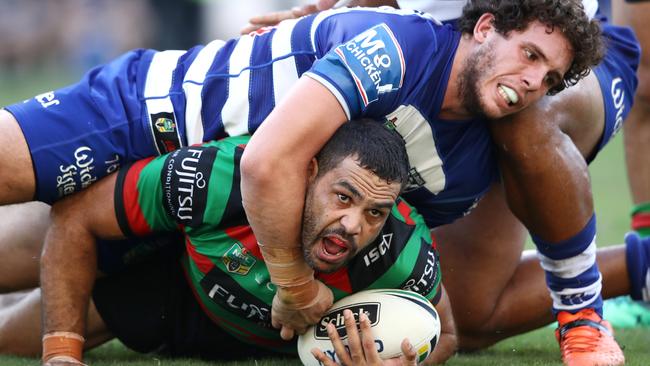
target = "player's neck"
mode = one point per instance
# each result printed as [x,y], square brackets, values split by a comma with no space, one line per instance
[452,107]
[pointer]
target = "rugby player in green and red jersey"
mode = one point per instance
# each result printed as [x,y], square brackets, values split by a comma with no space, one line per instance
[357,235]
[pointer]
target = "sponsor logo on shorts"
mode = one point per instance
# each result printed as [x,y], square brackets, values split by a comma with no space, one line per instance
[371,309]
[185,180]
[165,132]
[238,260]
[375,61]
[47,99]
[618,98]
[77,175]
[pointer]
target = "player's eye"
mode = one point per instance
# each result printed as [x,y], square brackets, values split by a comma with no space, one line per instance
[376,213]
[530,54]
[343,198]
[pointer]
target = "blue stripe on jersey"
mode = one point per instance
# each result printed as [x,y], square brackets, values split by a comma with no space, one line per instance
[215,93]
[261,81]
[177,95]
[301,41]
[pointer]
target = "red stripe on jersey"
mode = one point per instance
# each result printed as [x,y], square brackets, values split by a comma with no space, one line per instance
[641,220]
[130,199]
[405,211]
[244,234]
[434,241]
[204,263]
[339,279]
[219,320]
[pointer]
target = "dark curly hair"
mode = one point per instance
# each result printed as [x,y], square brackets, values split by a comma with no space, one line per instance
[568,16]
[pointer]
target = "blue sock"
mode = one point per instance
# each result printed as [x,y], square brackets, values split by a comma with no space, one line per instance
[572,274]
[637,253]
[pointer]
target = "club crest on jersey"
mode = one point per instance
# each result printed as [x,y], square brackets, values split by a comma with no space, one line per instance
[165,125]
[165,133]
[238,260]
[375,61]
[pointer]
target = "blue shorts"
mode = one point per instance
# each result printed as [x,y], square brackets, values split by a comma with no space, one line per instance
[85,131]
[617,78]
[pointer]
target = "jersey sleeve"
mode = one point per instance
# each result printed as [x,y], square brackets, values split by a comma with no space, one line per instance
[188,188]
[366,57]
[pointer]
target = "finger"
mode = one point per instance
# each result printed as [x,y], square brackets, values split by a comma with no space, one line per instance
[271,18]
[409,354]
[339,347]
[286,333]
[354,340]
[325,4]
[322,357]
[300,11]
[368,339]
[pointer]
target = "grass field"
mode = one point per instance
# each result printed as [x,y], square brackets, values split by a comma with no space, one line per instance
[535,348]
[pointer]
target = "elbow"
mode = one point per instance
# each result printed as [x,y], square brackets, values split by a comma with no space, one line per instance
[256,171]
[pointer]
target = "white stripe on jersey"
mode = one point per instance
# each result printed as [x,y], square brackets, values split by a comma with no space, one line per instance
[193,87]
[235,111]
[420,146]
[570,267]
[285,73]
[158,84]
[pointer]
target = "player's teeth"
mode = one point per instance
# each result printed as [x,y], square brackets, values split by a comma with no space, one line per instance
[510,94]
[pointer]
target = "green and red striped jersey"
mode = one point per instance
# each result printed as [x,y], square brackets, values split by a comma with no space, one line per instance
[196,190]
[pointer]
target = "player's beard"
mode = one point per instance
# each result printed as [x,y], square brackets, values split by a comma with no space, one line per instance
[473,72]
[313,233]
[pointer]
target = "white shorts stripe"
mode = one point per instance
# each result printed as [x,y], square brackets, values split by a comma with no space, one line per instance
[235,111]
[285,73]
[158,84]
[570,267]
[193,87]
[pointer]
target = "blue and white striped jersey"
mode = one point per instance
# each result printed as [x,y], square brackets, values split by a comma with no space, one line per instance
[379,63]
[386,64]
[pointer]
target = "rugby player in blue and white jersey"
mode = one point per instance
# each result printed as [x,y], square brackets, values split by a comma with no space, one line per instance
[535,146]
[383,63]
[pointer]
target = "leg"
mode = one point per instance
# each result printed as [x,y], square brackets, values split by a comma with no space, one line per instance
[20,325]
[514,296]
[17,181]
[637,125]
[22,232]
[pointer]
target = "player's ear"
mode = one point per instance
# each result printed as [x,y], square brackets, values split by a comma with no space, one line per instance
[312,170]
[483,27]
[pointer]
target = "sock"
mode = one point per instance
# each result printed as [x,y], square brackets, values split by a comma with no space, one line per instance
[637,253]
[641,219]
[572,274]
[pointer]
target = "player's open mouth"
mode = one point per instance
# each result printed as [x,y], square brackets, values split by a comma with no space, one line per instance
[334,248]
[508,94]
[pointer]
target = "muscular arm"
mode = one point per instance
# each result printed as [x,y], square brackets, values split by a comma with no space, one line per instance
[274,177]
[69,258]
[448,342]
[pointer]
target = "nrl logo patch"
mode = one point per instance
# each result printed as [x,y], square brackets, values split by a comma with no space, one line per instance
[165,125]
[237,260]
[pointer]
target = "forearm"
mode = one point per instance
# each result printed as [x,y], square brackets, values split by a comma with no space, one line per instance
[448,343]
[68,267]
[274,171]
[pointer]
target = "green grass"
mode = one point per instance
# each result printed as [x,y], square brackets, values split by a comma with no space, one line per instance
[612,203]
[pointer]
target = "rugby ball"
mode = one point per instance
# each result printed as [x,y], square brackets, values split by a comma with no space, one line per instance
[393,314]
